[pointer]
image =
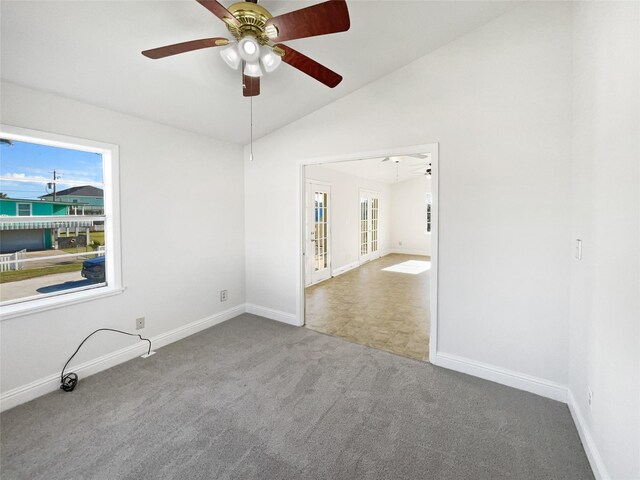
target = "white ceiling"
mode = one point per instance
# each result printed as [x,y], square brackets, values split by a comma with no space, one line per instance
[90,51]
[407,168]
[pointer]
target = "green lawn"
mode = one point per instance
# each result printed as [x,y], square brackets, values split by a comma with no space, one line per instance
[15,275]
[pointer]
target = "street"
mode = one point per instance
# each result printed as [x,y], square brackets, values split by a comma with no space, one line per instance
[41,285]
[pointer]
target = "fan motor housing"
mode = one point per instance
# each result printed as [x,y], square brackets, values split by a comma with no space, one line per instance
[253,19]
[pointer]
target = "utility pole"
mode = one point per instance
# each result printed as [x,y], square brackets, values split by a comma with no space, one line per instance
[55,177]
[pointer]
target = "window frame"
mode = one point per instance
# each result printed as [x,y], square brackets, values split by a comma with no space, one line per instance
[111,183]
[30,205]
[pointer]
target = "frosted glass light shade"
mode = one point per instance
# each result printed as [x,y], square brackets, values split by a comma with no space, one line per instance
[252,69]
[249,49]
[230,56]
[270,61]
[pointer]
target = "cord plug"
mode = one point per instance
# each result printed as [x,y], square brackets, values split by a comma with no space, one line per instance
[69,382]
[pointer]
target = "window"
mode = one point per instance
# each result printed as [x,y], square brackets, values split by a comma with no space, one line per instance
[62,254]
[23,209]
[428,218]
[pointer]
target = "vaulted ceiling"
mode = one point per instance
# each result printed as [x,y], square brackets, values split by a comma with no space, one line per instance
[90,51]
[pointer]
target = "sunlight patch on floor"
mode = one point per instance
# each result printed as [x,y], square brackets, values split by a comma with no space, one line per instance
[413,267]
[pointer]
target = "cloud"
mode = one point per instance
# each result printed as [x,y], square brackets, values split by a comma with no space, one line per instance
[22,177]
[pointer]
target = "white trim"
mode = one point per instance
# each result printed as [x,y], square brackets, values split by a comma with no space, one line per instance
[51,383]
[521,381]
[433,254]
[270,313]
[44,302]
[344,269]
[408,251]
[589,444]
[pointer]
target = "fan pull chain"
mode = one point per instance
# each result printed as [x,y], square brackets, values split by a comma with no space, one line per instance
[251,133]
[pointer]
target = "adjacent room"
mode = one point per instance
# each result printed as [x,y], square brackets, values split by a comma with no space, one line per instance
[319,239]
[367,234]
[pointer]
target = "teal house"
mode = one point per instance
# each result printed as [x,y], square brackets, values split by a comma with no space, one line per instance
[86,199]
[33,233]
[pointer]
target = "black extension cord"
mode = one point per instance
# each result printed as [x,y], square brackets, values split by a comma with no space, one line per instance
[69,381]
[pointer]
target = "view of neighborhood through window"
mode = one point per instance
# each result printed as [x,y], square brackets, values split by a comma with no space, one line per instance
[52,223]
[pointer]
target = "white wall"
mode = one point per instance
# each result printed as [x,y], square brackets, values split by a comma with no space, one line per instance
[182,235]
[345,201]
[499,102]
[408,216]
[605,293]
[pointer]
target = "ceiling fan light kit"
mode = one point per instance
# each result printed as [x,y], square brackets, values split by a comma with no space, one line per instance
[258,35]
[231,56]
[254,56]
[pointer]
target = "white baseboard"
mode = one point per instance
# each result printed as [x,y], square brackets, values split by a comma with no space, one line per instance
[344,269]
[408,251]
[521,381]
[272,314]
[51,383]
[595,460]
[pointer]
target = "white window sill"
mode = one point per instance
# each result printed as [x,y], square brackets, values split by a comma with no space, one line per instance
[49,303]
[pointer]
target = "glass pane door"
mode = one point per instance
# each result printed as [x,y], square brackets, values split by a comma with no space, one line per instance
[369,226]
[364,226]
[374,224]
[321,211]
[318,233]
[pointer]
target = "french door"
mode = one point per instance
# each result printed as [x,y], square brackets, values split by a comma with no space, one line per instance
[318,232]
[369,226]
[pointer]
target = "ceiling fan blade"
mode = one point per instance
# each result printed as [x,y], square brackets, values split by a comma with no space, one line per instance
[386,159]
[320,19]
[310,67]
[219,11]
[183,47]
[250,86]
[421,156]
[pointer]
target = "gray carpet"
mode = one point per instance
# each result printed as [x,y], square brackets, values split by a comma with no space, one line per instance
[255,399]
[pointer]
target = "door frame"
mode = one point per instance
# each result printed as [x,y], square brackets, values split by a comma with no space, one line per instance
[432,148]
[329,233]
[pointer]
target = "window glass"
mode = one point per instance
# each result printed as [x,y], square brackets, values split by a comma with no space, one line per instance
[61,248]
[24,209]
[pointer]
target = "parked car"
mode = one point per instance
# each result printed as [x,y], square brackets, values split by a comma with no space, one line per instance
[93,269]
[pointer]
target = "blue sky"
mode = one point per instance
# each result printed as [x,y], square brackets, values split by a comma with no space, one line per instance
[25,169]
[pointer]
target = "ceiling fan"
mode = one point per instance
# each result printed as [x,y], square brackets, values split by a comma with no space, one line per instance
[398,158]
[423,169]
[258,35]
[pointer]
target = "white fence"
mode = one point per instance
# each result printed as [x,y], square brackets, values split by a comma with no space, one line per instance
[12,261]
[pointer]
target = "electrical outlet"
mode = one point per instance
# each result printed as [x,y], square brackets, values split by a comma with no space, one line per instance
[224,295]
[589,398]
[400,243]
[139,323]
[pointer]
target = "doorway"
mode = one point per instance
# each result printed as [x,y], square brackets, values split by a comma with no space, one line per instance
[372,279]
